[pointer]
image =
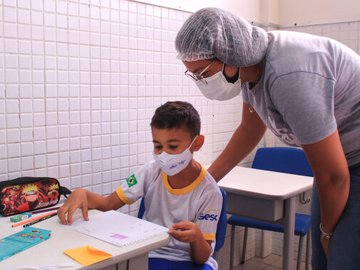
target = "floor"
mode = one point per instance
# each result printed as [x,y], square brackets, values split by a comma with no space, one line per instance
[271,262]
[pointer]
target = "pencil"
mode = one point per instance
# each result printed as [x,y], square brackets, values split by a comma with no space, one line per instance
[45,210]
[41,219]
[32,219]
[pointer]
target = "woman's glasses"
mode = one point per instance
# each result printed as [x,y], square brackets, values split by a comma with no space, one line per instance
[199,76]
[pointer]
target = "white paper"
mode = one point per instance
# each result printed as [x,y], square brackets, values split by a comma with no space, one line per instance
[118,228]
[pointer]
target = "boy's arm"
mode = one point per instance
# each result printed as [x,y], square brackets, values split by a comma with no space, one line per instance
[201,233]
[84,199]
[189,232]
[200,249]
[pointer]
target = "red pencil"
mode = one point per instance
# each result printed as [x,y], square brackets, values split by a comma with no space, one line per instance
[45,210]
[39,220]
[32,219]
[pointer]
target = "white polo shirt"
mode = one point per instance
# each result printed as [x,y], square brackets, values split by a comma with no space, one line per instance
[200,202]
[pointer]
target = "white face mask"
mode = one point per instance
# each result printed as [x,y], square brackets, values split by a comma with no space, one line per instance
[217,87]
[175,163]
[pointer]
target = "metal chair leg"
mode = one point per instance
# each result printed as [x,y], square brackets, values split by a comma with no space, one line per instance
[307,255]
[244,246]
[232,240]
[216,255]
[300,249]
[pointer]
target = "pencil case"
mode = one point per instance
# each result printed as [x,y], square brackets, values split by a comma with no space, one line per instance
[25,194]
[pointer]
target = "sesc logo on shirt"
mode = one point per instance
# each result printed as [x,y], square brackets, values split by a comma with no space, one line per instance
[208,217]
[131,181]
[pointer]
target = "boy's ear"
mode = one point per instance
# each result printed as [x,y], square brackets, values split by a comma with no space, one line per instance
[198,143]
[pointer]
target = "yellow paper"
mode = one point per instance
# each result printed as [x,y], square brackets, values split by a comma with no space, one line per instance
[87,255]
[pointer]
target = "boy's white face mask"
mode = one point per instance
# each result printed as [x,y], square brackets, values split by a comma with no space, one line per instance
[172,164]
[218,88]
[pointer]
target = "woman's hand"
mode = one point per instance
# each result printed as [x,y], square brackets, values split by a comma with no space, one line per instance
[325,244]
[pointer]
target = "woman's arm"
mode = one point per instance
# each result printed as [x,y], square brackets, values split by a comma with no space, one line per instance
[332,179]
[242,142]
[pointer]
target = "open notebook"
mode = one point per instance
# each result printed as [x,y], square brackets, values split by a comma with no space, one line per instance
[118,228]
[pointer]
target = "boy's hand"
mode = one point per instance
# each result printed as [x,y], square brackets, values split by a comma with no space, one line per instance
[189,232]
[185,231]
[77,199]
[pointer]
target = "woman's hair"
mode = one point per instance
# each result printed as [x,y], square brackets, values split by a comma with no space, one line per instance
[177,114]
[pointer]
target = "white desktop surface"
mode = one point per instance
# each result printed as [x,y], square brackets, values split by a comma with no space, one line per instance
[265,184]
[266,195]
[50,252]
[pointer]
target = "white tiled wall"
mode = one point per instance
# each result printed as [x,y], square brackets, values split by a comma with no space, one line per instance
[79,82]
[347,33]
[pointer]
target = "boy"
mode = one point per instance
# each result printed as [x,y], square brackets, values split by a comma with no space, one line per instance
[178,192]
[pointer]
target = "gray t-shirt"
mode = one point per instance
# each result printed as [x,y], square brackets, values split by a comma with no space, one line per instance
[310,87]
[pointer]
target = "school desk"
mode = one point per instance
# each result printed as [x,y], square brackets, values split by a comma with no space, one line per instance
[267,195]
[50,252]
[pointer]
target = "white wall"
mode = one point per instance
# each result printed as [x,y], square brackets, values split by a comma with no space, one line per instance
[284,13]
[317,12]
[79,83]
[249,9]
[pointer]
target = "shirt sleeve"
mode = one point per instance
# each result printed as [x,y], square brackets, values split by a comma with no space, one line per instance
[209,214]
[133,188]
[305,101]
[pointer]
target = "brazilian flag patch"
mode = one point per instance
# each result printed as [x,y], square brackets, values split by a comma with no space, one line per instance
[131,181]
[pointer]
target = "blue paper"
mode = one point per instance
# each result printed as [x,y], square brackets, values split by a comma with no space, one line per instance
[17,242]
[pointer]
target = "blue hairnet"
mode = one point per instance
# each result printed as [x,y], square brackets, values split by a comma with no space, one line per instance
[215,33]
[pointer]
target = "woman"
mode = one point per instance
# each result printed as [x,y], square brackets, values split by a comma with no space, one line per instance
[306,89]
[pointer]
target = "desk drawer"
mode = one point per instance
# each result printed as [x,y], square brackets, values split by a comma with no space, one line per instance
[270,210]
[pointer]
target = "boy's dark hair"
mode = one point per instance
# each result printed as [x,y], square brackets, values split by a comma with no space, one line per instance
[177,114]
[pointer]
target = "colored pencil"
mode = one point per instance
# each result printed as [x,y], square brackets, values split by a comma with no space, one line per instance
[39,220]
[32,219]
[45,210]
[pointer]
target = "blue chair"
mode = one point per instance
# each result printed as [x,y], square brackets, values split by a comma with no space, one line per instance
[279,159]
[221,227]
